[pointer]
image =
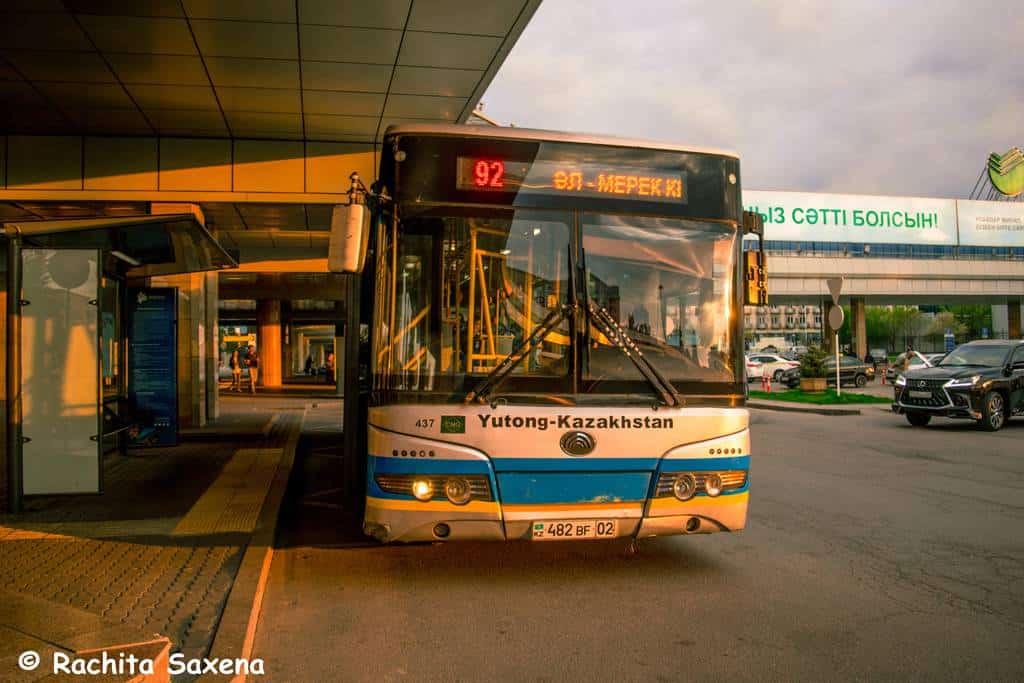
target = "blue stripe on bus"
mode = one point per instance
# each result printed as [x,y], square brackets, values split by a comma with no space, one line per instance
[568,464]
[521,488]
[739,462]
[428,466]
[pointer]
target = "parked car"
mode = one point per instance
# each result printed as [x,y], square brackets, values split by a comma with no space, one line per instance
[753,370]
[772,365]
[852,370]
[896,369]
[880,355]
[980,380]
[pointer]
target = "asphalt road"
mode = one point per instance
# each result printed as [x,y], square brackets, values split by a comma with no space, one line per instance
[873,551]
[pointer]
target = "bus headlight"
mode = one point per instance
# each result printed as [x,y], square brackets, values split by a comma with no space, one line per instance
[684,487]
[457,491]
[713,484]
[457,488]
[422,489]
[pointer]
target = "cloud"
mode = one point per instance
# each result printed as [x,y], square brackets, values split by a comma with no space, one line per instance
[868,97]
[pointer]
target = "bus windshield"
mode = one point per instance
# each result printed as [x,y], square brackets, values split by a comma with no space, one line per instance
[471,284]
[666,281]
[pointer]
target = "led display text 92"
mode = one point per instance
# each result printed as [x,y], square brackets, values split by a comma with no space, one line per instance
[581,179]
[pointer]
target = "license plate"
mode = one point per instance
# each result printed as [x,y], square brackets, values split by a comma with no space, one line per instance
[920,394]
[557,530]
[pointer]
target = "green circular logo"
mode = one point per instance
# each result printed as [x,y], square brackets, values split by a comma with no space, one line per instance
[1006,171]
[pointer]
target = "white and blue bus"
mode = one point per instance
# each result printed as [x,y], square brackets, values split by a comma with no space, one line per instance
[555,343]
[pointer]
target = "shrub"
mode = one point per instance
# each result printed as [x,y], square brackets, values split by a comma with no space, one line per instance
[812,363]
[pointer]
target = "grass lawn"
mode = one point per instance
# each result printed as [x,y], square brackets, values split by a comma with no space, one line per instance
[827,398]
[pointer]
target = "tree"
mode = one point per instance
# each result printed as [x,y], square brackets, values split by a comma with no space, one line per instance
[974,318]
[944,320]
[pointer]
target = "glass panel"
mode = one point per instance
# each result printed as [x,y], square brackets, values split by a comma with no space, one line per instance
[667,282]
[60,365]
[469,290]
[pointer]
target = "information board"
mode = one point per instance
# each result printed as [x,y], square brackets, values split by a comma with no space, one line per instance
[152,365]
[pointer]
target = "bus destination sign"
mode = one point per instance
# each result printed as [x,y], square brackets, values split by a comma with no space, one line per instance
[578,179]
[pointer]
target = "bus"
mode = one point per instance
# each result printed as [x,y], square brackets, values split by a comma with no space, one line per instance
[552,344]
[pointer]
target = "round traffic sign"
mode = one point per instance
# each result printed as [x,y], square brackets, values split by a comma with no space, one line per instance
[836,317]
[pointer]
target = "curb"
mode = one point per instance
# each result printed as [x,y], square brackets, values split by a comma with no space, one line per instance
[796,408]
[236,631]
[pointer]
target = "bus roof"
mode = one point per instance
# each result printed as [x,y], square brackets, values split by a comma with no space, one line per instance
[509,133]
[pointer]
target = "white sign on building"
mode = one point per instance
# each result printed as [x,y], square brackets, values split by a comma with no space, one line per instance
[991,224]
[817,217]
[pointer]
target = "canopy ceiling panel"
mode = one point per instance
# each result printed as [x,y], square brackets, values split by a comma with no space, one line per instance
[275,69]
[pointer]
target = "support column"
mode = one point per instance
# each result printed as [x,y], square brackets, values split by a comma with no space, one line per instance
[268,324]
[1013,319]
[859,327]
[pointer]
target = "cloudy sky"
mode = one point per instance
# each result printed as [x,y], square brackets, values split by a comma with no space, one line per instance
[902,97]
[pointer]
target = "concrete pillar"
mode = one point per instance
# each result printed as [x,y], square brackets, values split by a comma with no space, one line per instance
[1013,319]
[858,325]
[268,329]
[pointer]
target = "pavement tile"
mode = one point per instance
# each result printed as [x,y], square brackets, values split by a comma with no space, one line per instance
[113,559]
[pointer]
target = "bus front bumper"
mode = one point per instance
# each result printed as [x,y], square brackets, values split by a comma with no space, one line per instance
[388,523]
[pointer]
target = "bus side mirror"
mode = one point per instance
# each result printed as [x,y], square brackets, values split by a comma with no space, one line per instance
[753,224]
[755,263]
[350,236]
[755,274]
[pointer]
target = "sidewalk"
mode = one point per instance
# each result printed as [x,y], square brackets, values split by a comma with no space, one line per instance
[156,552]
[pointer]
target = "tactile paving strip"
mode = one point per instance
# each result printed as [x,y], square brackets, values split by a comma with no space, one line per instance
[233,501]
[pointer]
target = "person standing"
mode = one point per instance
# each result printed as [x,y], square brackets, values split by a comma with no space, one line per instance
[236,371]
[330,368]
[253,361]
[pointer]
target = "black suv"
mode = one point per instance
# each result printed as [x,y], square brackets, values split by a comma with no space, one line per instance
[980,380]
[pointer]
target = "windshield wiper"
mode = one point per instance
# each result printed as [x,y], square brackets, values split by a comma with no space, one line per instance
[618,337]
[509,362]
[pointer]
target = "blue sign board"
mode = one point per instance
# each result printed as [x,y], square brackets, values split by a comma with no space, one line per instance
[984,333]
[950,340]
[152,365]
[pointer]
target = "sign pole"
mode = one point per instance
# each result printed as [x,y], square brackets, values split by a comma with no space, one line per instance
[835,320]
[839,390]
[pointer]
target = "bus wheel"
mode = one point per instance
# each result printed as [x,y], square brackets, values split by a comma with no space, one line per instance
[919,419]
[993,412]
[860,380]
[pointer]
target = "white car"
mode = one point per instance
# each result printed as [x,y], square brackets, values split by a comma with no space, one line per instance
[770,365]
[754,370]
